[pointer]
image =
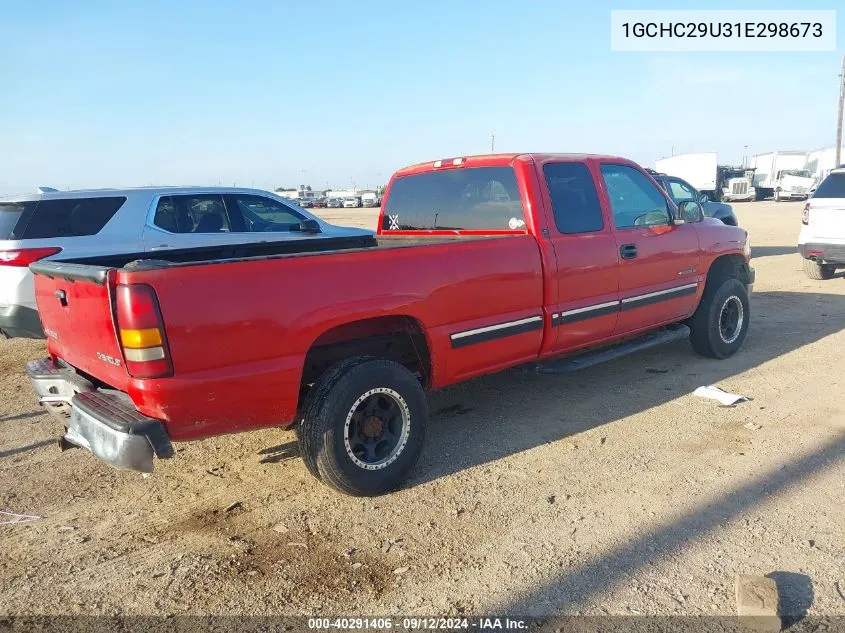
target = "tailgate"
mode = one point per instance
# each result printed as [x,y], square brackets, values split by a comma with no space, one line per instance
[75,305]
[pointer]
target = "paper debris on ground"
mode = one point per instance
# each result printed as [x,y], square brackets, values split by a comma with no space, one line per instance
[10,518]
[714,393]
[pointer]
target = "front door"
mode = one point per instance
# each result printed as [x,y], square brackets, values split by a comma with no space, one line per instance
[659,276]
[587,257]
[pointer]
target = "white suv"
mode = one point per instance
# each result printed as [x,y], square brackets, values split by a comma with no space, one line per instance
[57,225]
[822,239]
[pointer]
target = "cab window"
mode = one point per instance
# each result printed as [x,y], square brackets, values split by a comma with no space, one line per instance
[574,199]
[474,198]
[634,200]
[192,214]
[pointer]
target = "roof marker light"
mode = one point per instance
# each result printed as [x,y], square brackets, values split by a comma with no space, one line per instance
[438,163]
[458,161]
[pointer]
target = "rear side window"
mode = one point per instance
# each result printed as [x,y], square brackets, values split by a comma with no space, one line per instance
[14,217]
[832,187]
[476,198]
[574,198]
[71,217]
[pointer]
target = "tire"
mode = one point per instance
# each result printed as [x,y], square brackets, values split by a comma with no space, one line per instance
[710,334]
[309,408]
[364,426]
[818,271]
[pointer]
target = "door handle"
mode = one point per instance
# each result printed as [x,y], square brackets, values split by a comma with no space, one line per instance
[628,251]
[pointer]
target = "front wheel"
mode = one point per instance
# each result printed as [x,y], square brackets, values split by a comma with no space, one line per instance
[815,270]
[719,325]
[365,431]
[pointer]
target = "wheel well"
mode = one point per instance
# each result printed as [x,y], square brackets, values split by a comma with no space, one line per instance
[727,266]
[397,338]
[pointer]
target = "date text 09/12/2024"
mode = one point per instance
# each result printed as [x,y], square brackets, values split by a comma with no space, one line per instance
[418,624]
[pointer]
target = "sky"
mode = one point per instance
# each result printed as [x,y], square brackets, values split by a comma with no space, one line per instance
[334,93]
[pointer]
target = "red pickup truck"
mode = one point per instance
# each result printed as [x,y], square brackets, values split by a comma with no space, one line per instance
[478,264]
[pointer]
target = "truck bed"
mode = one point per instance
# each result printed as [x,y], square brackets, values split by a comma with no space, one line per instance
[246,252]
[240,322]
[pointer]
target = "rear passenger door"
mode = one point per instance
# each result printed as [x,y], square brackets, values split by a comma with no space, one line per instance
[188,221]
[658,258]
[586,254]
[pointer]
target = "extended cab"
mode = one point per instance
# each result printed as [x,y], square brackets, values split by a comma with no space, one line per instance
[479,264]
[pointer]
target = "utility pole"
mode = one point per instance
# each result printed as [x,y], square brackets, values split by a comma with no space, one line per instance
[839,117]
[492,143]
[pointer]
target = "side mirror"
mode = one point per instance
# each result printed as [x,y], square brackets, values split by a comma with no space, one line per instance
[310,226]
[690,212]
[702,198]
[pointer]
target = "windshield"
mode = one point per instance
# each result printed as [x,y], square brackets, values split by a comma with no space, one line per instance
[803,173]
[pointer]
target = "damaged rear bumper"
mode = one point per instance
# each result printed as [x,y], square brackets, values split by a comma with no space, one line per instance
[103,421]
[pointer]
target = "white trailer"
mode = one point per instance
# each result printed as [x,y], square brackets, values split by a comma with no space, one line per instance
[699,170]
[821,161]
[702,171]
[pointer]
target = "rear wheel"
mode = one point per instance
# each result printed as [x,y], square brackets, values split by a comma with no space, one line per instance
[364,426]
[815,270]
[719,325]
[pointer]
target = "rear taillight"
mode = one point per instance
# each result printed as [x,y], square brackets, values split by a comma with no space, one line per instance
[805,216]
[141,332]
[25,256]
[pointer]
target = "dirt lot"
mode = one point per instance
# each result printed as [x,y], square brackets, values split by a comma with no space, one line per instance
[613,490]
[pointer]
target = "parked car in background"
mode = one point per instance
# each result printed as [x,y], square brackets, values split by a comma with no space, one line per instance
[494,261]
[334,203]
[369,200]
[319,203]
[351,203]
[305,203]
[821,242]
[80,224]
[680,190]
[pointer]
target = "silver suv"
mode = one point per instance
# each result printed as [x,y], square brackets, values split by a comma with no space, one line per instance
[78,224]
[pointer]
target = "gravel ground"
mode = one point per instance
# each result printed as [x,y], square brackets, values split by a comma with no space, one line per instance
[612,490]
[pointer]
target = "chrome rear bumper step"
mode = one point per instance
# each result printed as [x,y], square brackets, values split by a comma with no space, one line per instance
[104,422]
